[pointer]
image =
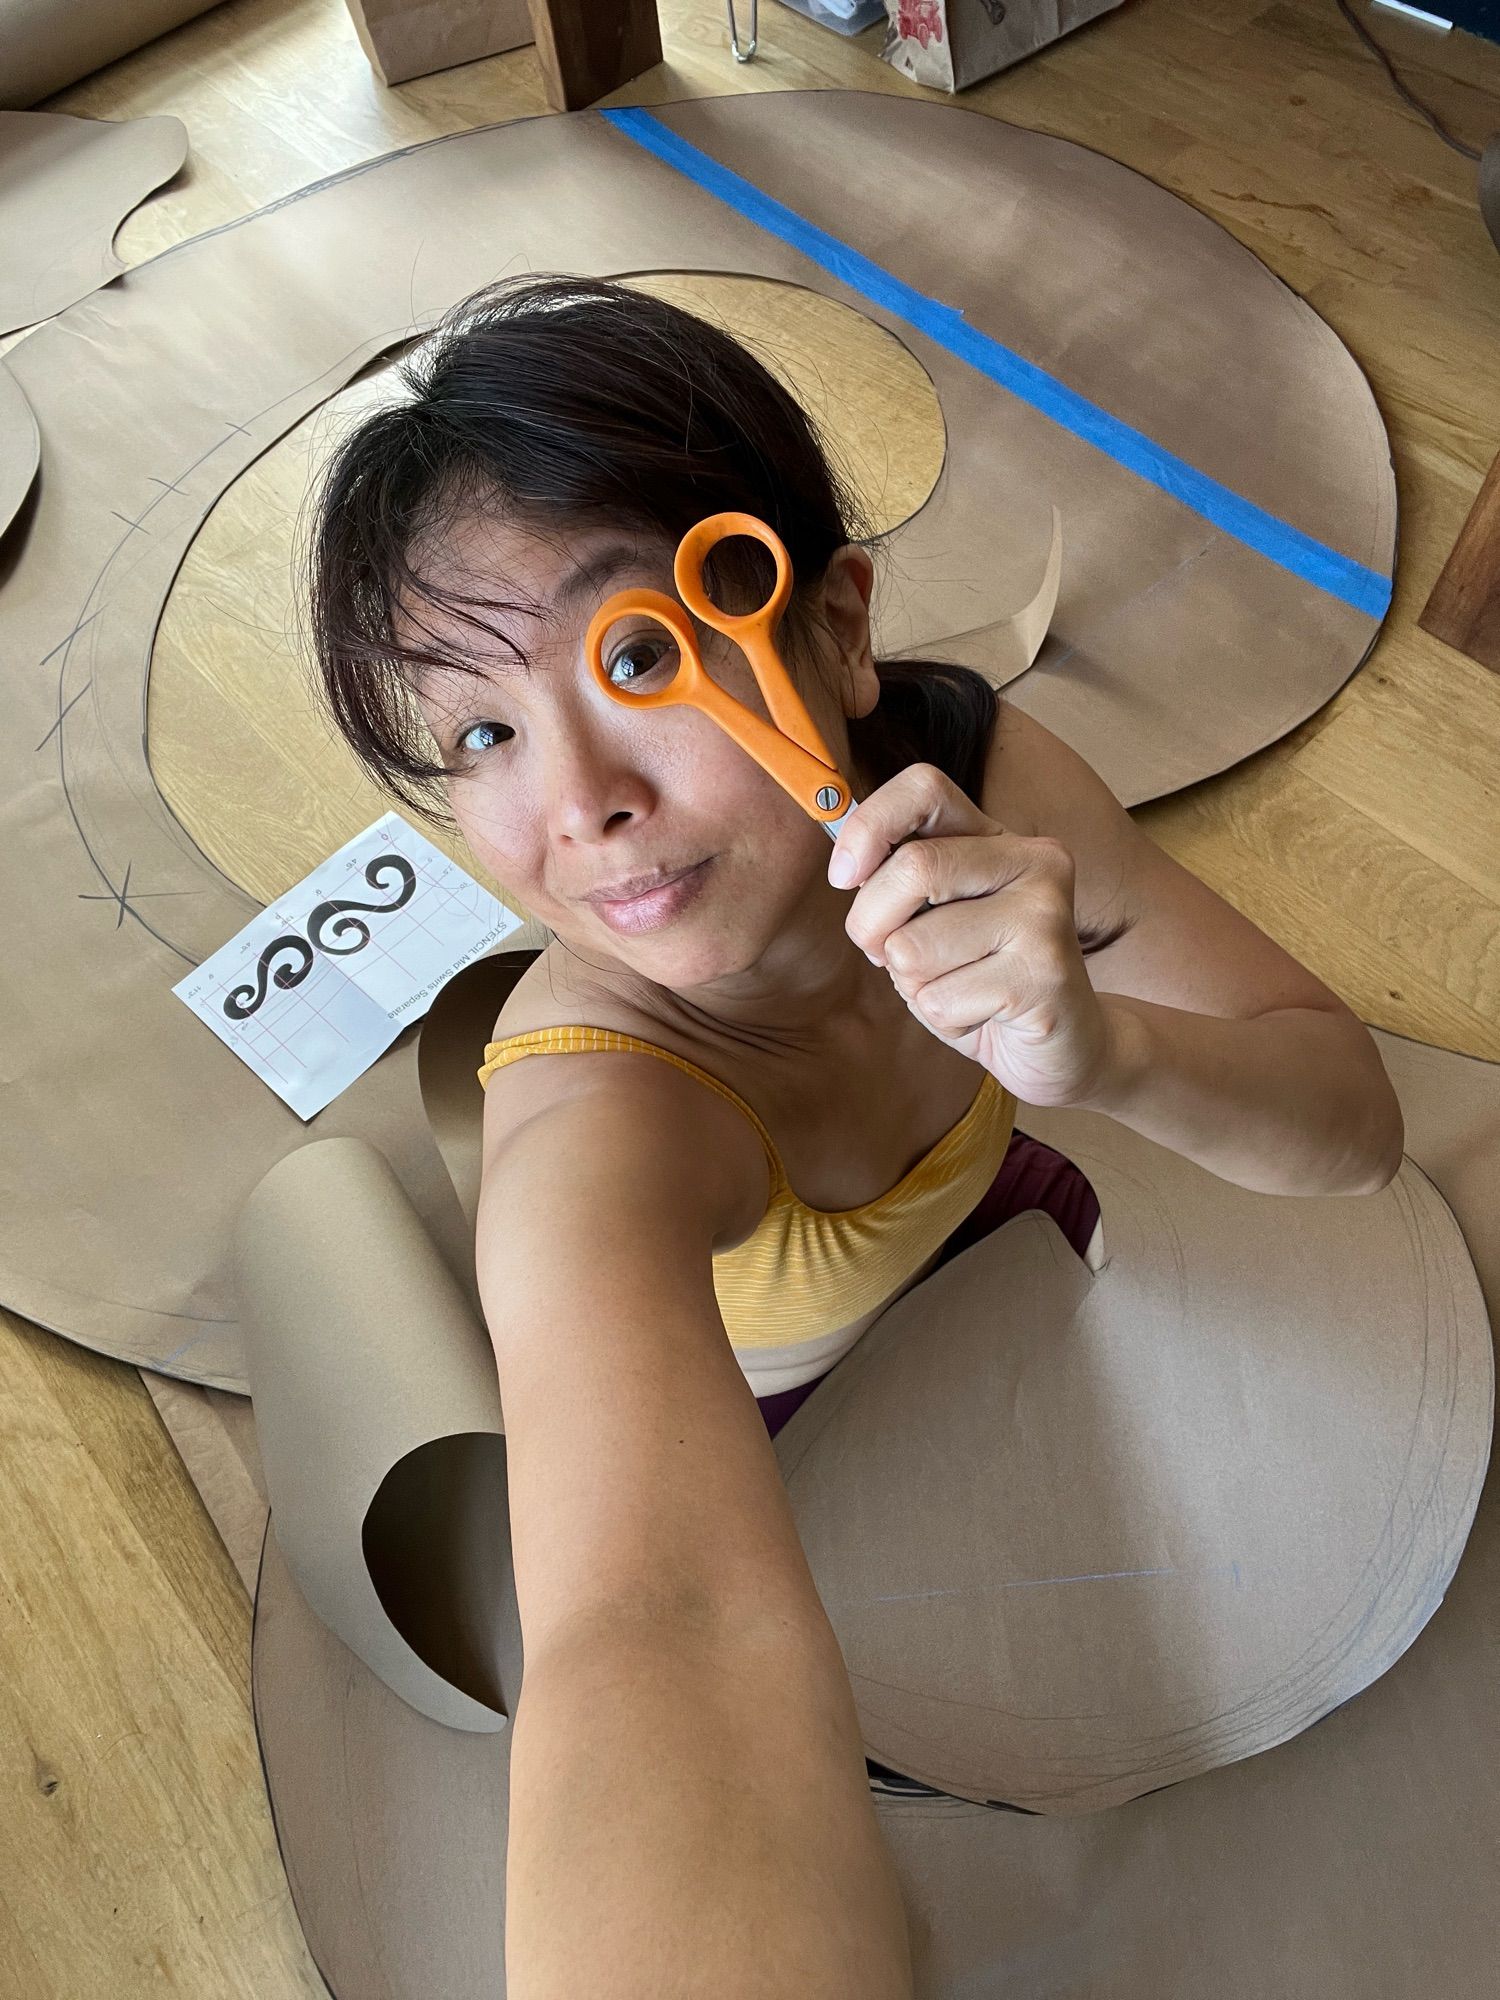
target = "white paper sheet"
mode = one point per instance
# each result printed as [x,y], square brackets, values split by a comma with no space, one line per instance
[324,979]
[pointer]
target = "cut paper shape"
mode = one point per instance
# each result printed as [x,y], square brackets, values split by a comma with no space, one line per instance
[319,985]
[20,448]
[1341,1863]
[1281,540]
[66,184]
[45,44]
[1160,667]
[1114,1407]
[1002,651]
[1261,1430]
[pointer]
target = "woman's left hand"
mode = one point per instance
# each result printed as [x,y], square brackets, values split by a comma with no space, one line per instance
[976,927]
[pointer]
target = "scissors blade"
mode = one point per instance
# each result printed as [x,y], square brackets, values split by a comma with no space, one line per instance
[788,710]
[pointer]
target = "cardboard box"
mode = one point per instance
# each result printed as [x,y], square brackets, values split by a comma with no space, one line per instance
[950,44]
[407,38]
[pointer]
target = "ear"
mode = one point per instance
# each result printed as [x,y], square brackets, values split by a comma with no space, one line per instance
[848,583]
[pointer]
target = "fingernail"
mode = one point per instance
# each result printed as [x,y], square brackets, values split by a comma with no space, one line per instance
[842,870]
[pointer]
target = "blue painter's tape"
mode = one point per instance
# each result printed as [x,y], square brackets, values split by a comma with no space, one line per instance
[1349,581]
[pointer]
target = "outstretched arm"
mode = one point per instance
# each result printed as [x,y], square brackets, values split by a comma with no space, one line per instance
[689,1805]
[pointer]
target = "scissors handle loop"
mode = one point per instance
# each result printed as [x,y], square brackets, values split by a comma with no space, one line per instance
[809,779]
[754,632]
[693,552]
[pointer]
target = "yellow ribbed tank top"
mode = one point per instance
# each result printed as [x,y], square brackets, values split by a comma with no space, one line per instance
[805,1274]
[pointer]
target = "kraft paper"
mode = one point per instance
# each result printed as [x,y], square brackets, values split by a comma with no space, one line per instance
[66,184]
[1178,645]
[1330,1442]
[45,44]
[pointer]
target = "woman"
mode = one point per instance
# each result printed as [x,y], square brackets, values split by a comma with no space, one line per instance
[804,1071]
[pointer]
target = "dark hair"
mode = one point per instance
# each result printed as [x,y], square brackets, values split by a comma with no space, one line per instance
[567,401]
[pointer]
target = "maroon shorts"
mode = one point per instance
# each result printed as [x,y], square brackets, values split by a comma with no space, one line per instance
[1031,1176]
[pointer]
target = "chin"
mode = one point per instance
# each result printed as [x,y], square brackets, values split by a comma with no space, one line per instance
[683,962]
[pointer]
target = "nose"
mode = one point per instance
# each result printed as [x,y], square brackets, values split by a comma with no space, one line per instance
[592,781]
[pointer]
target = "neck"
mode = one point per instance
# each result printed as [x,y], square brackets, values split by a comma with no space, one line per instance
[811,990]
[802,996]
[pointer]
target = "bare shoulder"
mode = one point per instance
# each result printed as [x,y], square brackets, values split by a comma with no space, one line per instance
[1032,777]
[1184,946]
[678,1126]
[1034,784]
[554,992]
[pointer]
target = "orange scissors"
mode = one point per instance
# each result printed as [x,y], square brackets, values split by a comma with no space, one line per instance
[792,751]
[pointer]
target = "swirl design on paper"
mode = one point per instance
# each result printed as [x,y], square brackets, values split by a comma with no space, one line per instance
[329,921]
[244,1001]
[330,916]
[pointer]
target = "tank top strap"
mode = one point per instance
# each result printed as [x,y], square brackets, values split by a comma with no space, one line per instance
[579,1039]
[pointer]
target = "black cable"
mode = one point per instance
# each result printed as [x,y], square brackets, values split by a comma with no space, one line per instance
[1469,152]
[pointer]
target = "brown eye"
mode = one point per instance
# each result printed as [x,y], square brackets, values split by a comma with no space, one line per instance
[632,662]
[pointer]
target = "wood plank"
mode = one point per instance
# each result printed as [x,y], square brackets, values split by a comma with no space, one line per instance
[137,1854]
[1464,608]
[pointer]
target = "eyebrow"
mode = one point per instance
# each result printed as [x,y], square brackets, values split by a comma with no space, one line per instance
[586,584]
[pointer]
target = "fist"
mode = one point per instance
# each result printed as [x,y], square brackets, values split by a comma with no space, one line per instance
[976,928]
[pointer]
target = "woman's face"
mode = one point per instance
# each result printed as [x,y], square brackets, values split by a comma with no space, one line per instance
[645,838]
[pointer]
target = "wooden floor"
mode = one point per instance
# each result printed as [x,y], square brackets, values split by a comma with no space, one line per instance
[136,1853]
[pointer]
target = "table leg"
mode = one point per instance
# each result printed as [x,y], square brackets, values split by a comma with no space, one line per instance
[590,47]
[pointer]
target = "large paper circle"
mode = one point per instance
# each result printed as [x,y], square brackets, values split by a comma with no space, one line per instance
[1228,557]
[1352,1860]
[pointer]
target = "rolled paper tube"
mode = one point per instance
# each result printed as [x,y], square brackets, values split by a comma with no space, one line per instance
[45,44]
[378,1413]
[451,1047]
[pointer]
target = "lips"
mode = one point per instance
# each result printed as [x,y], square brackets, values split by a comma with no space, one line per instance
[635,886]
[664,898]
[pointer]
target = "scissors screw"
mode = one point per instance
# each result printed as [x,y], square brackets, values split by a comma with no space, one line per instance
[828,798]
